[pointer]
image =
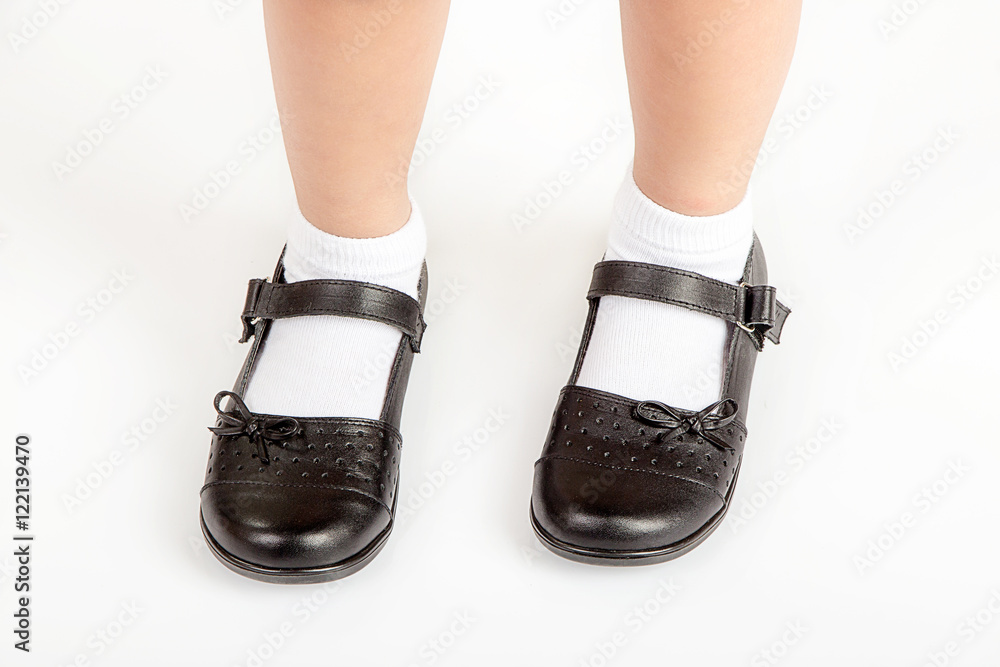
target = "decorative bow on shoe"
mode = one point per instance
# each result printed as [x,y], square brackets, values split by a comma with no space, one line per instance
[716,416]
[256,427]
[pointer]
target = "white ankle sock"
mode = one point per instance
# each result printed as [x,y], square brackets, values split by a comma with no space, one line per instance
[333,366]
[647,350]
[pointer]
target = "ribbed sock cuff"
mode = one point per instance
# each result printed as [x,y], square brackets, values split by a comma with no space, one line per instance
[640,220]
[392,260]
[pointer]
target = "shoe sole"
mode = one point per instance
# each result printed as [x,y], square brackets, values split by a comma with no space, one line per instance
[615,558]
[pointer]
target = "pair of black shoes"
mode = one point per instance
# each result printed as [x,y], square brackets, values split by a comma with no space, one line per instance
[620,481]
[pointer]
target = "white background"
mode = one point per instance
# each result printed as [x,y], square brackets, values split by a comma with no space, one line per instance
[506,308]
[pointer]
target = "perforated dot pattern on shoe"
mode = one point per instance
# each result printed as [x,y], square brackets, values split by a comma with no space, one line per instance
[335,452]
[598,420]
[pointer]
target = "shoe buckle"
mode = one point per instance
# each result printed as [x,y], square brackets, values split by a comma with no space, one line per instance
[741,298]
[250,309]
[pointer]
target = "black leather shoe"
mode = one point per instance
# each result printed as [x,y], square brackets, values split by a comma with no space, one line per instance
[306,500]
[623,482]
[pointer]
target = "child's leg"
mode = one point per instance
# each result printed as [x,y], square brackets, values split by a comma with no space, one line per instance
[699,115]
[351,115]
[350,112]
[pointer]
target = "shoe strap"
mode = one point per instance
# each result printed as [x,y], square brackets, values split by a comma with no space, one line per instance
[753,308]
[268,300]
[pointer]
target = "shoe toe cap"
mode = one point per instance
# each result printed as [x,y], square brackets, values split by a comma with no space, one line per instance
[610,509]
[289,527]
